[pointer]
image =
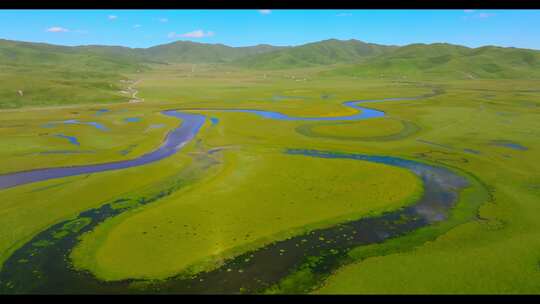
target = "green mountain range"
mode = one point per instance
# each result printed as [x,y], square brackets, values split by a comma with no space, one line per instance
[352,57]
[47,73]
[325,52]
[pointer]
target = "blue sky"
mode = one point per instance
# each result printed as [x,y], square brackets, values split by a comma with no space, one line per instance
[144,28]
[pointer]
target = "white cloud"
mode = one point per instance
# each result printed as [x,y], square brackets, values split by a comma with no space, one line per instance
[485,15]
[137,26]
[193,34]
[482,15]
[57,29]
[112,17]
[265,11]
[343,14]
[468,11]
[163,20]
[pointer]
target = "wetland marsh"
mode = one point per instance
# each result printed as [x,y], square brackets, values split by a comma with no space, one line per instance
[231,179]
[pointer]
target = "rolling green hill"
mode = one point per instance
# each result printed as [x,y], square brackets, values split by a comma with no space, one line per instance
[446,61]
[438,60]
[35,74]
[36,55]
[325,52]
[192,52]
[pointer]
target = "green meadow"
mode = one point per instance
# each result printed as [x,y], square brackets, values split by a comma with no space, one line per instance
[250,194]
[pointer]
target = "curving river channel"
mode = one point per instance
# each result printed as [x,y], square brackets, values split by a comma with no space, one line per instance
[42,264]
[177,138]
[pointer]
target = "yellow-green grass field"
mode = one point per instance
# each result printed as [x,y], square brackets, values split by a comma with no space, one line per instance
[257,195]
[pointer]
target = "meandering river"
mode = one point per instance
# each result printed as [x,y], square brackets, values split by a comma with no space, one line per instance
[177,138]
[41,265]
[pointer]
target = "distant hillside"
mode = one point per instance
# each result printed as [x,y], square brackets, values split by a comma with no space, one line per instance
[43,74]
[36,74]
[192,52]
[33,74]
[15,53]
[312,54]
[449,62]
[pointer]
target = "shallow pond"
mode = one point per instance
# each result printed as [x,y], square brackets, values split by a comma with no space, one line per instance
[509,144]
[94,124]
[132,119]
[72,139]
[101,111]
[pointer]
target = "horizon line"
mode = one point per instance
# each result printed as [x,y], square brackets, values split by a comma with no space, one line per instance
[273,45]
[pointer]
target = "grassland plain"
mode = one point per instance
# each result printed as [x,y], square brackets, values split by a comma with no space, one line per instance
[62,192]
[107,118]
[255,187]
[44,87]
[457,129]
